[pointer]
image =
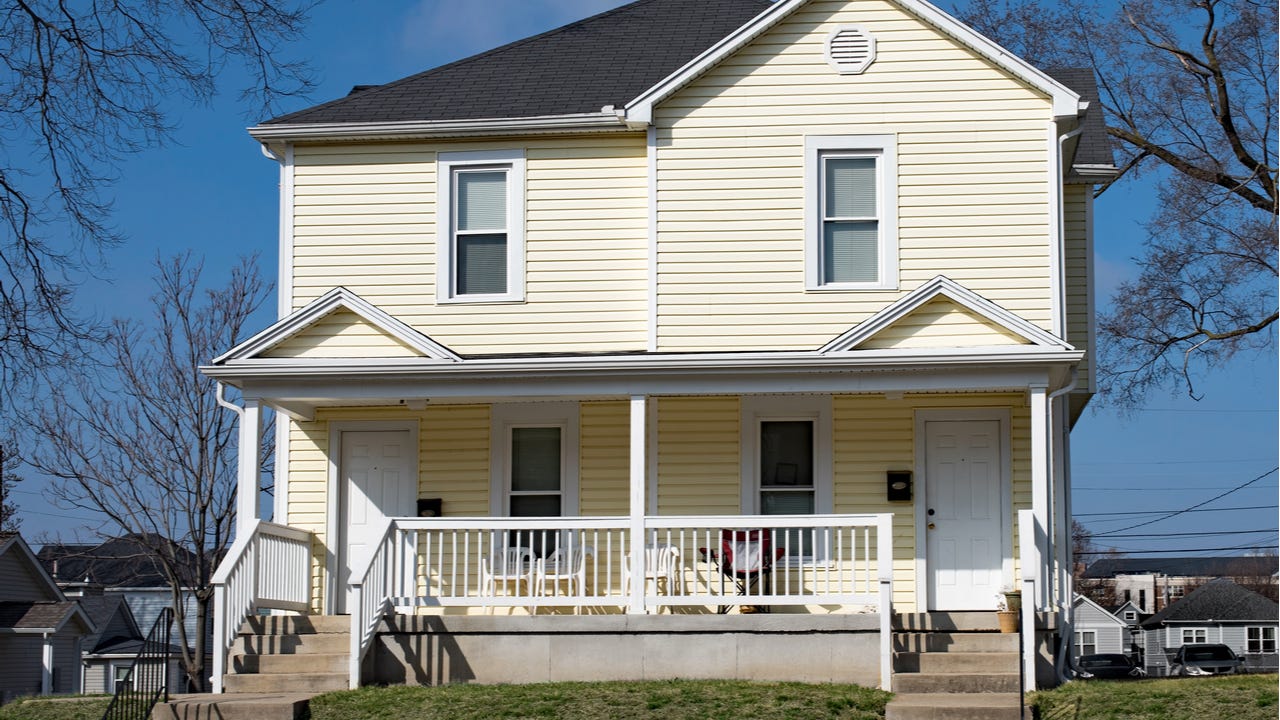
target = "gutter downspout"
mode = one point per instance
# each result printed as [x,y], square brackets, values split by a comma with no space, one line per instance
[1060,282]
[1066,586]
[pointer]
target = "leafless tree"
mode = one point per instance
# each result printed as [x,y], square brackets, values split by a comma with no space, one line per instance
[142,442]
[1085,551]
[86,84]
[1188,88]
[10,521]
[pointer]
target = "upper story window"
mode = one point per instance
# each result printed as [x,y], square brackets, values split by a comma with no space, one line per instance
[480,226]
[851,211]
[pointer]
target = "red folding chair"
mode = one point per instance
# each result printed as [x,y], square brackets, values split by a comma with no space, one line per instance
[747,557]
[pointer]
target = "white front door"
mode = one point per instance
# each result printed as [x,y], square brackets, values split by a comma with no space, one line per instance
[377,481]
[963,513]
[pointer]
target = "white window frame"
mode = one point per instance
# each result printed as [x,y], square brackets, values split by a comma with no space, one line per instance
[884,149]
[1081,642]
[506,417]
[1260,641]
[447,164]
[1198,636]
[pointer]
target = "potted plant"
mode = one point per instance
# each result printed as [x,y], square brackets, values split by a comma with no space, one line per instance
[1007,617]
[1012,598]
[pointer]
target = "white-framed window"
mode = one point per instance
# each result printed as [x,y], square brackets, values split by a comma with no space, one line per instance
[480,226]
[1130,615]
[786,463]
[1086,642]
[120,674]
[1177,591]
[534,459]
[1260,640]
[851,212]
[1194,635]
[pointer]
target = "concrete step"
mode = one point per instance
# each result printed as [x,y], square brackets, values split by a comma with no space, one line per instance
[296,624]
[297,663]
[955,642]
[987,706]
[269,706]
[310,643]
[308,682]
[956,662]
[955,682]
[977,621]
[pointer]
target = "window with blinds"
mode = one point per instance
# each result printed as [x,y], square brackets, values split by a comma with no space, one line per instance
[850,245]
[480,230]
[786,477]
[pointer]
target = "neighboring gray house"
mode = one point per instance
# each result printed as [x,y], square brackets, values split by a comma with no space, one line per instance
[1096,630]
[1151,584]
[1217,612]
[40,629]
[110,652]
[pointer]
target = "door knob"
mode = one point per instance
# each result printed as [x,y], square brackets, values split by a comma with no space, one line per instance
[932,526]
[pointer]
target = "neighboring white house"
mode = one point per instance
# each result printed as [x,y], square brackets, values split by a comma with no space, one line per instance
[1097,630]
[1218,612]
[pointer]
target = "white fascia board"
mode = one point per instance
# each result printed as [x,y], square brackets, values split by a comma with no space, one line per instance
[966,298]
[339,297]
[1066,103]
[578,122]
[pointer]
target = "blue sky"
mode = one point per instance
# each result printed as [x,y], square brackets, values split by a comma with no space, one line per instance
[210,190]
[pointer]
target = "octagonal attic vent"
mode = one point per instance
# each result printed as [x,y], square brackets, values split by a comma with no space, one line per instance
[851,49]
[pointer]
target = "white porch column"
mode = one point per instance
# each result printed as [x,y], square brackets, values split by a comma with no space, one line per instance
[46,665]
[639,452]
[1040,472]
[248,468]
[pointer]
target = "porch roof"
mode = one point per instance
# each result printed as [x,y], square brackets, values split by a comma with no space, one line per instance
[298,386]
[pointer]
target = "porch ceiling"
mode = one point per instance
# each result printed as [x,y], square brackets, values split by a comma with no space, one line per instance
[298,387]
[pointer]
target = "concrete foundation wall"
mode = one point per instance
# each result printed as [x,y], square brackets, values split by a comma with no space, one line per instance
[435,650]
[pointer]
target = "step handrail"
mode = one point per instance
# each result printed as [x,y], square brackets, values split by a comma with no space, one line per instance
[138,692]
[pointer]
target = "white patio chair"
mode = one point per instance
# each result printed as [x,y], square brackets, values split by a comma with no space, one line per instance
[568,565]
[661,567]
[508,567]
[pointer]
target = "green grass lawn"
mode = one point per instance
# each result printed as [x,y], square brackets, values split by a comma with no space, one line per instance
[1238,697]
[668,700]
[90,707]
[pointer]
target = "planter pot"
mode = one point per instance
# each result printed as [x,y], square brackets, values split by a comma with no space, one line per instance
[1013,600]
[1008,620]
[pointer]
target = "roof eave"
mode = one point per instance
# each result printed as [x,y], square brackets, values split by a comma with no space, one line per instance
[607,120]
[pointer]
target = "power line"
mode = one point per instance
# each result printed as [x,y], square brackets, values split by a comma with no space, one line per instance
[1150,489]
[1162,512]
[1196,534]
[1168,552]
[1206,502]
[1108,463]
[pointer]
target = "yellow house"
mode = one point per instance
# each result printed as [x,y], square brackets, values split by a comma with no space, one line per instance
[686,310]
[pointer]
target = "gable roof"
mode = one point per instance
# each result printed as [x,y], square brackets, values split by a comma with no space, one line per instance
[112,619]
[337,298]
[15,546]
[606,59]
[126,561]
[41,616]
[581,75]
[1110,617]
[941,286]
[1217,601]
[1240,566]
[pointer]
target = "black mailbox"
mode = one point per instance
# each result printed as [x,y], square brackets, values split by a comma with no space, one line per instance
[430,507]
[898,483]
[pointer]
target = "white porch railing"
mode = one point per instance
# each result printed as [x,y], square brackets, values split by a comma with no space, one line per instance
[269,566]
[585,563]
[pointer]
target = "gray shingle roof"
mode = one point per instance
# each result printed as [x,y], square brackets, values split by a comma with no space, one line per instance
[1184,567]
[34,615]
[1218,600]
[127,561]
[607,59]
[1094,147]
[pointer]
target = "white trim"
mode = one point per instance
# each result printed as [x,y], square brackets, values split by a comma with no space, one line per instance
[1066,103]
[248,465]
[966,298]
[1003,417]
[1092,301]
[285,292]
[636,500]
[334,491]
[339,297]
[1056,230]
[846,68]
[447,163]
[280,475]
[651,451]
[1081,599]
[884,149]
[1041,476]
[754,409]
[538,124]
[503,417]
[651,144]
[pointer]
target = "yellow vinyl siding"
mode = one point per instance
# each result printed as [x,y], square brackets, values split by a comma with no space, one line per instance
[972,156]
[341,334]
[604,465]
[941,323]
[365,217]
[699,456]
[1075,238]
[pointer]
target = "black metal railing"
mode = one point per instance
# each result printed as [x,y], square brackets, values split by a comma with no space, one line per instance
[147,680]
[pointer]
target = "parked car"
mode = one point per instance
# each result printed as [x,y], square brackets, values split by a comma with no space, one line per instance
[1109,666]
[1205,659]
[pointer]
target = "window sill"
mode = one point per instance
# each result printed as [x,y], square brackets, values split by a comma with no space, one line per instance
[481,300]
[851,287]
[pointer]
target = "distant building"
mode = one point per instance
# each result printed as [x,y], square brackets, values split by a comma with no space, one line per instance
[1151,584]
[1218,612]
